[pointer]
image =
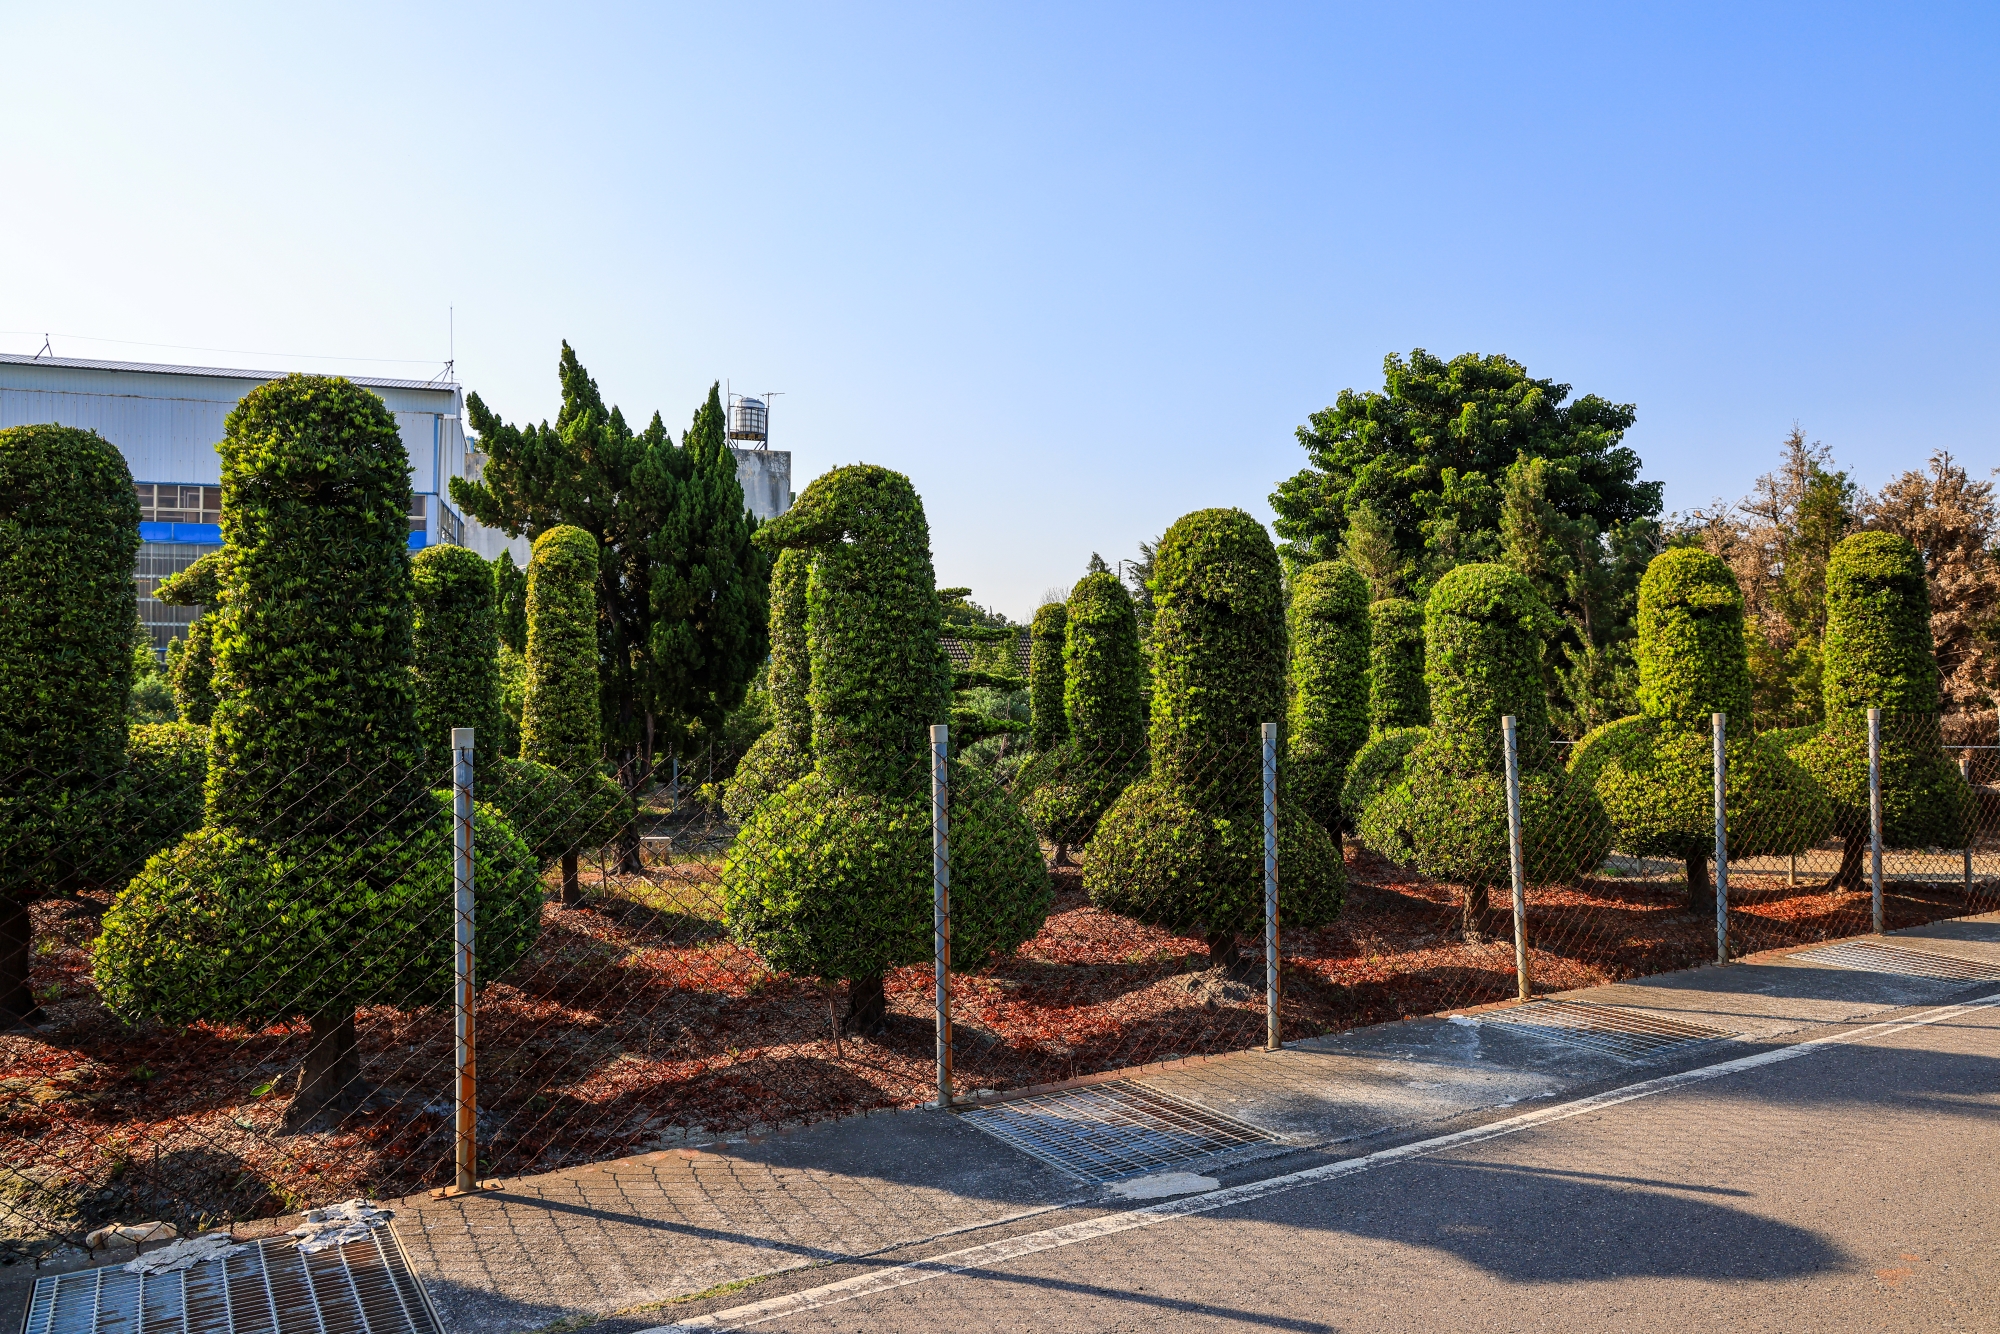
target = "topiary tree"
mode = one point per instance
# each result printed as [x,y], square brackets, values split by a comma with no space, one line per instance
[782,755]
[1655,772]
[1184,847]
[1068,787]
[832,876]
[321,878]
[69,531]
[1397,696]
[1328,715]
[1436,797]
[1878,653]
[1047,638]
[510,601]
[561,724]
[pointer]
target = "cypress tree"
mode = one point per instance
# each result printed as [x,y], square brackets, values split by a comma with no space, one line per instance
[1328,716]
[69,531]
[1047,635]
[559,712]
[510,601]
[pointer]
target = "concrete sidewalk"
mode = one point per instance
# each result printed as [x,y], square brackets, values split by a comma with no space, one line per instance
[627,1241]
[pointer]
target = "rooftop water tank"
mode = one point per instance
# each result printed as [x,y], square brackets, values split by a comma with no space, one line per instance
[749,420]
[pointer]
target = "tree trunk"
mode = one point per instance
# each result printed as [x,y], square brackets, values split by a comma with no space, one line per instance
[1701,891]
[1236,965]
[17,997]
[1477,906]
[1062,855]
[330,1084]
[867,1007]
[1853,873]
[572,887]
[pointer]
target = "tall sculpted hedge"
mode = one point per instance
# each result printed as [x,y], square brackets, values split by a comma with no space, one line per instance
[1068,787]
[1397,696]
[1878,653]
[783,755]
[1654,772]
[321,878]
[191,659]
[831,877]
[1048,725]
[69,529]
[1435,797]
[1328,716]
[1184,846]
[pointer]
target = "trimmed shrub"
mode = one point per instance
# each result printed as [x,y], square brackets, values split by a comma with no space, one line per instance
[783,754]
[1878,652]
[1328,716]
[1048,725]
[1397,696]
[1443,808]
[831,876]
[1070,785]
[167,766]
[455,639]
[561,722]
[1184,847]
[320,880]
[510,601]
[1655,772]
[1378,765]
[69,531]
[191,658]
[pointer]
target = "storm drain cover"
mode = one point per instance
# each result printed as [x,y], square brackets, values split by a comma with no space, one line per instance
[1606,1028]
[1105,1132]
[1870,956]
[263,1287]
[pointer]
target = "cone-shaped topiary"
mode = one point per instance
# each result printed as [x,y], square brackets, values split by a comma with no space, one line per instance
[1655,772]
[1878,653]
[1069,786]
[783,755]
[1397,696]
[1328,717]
[1047,636]
[69,530]
[1443,808]
[321,878]
[561,723]
[1184,846]
[832,876]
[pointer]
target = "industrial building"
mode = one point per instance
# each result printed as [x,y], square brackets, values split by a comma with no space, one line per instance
[166,420]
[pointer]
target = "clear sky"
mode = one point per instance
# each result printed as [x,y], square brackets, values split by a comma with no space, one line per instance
[1077,269]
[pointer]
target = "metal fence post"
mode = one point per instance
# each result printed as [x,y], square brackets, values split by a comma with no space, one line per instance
[1273,1033]
[1516,854]
[1875,813]
[941,901]
[1719,724]
[1965,772]
[467,1150]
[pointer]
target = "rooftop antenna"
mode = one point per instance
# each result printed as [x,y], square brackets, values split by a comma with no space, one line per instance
[750,418]
[45,348]
[451,346]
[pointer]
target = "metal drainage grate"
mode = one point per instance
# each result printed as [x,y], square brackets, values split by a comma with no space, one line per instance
[1605,1028]
[264,1287]
[1870,956]
[1105,1132]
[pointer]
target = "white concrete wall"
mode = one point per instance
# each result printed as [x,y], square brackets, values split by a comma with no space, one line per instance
[766,476]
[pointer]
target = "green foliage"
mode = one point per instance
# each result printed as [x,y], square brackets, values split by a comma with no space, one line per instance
[1691,655]
[510,601]
[555,813]
[1397,696]
[559,714]
[69,530]
[1178,847]
[783,755]
[1482,645]
[836,882]
[1378,765]
[456,641]
[199,585]
[312,635]
[191,673]
[1452,825]
[512,670]
[228,928]
[161,799]
[1069,786]
[1328,717]
[152,697]
[1047,635]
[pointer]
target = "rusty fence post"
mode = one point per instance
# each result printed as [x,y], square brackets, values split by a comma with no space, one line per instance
[1719,725]
[466,1152]
[1517,861]
[941,901]
[1875,814]
[1273,1030]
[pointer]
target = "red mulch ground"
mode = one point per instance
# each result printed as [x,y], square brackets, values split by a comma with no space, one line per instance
[637,1023]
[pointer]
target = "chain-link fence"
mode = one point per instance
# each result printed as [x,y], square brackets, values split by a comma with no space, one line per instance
[235,1021]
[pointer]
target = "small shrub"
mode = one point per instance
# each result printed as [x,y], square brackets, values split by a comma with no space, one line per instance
[1329,687]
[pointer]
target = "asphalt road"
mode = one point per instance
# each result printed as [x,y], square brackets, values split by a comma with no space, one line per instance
[1853,1187]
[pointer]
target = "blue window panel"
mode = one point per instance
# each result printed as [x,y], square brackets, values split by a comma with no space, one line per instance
[180,532]
[417,542]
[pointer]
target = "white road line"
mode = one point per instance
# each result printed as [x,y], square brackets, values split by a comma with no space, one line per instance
[1029,1243]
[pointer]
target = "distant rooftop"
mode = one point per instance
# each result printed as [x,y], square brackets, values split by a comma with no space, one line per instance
[213,372]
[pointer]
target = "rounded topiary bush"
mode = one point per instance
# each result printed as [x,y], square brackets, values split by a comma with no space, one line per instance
[1397,696]
[783,754]
[1067,788]
[455,639]
[1328,719]
[1378,764]
[167,766]
[1878,652]
[1440,805]
[1184,847]
[1655,772]
[69,531]
[1048,633]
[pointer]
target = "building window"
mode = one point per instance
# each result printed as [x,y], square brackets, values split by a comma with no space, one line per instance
[417,513]
[451,528]
[157,560]
[176,502]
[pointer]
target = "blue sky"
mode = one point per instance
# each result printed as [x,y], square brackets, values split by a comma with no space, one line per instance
[1076,269]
